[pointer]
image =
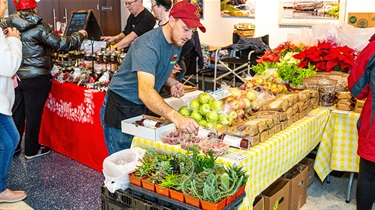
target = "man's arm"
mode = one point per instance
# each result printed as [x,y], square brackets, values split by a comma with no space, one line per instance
[154,102]
[126,41]
[116,38]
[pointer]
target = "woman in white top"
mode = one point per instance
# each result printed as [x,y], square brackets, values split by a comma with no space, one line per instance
[10,61]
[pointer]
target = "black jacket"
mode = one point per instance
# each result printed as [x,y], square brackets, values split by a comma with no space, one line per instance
[38,40]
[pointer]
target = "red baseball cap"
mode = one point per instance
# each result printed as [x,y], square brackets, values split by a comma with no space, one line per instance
[188,13]
[24,4]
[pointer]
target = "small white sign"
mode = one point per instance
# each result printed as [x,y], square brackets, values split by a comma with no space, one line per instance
[235,157]
[220,94]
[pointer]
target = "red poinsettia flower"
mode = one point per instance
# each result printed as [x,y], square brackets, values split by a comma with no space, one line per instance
[327,56]
[279,52]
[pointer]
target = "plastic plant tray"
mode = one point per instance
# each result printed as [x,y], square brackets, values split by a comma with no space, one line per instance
[154,196]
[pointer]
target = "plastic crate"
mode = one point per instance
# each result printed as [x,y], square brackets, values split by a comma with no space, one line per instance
[138,198]
[174,204]
[125,200]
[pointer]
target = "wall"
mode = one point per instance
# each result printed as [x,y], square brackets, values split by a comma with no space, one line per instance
[219,29]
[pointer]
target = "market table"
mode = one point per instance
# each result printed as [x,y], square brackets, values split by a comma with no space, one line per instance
[71,124]
[267,161]
[338,146]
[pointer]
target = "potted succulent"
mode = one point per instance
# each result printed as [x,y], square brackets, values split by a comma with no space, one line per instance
[172,182]
[144,170]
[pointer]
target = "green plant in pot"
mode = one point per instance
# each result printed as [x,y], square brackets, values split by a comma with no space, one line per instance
[171,181]
[147,165]
[237,171]
[162,169]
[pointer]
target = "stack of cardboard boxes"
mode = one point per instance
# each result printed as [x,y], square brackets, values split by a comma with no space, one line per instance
[289,191]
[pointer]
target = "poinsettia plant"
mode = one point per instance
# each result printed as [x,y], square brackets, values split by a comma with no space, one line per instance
[327,56]
[282,58]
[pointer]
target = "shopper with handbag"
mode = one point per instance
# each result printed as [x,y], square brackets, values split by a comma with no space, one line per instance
[38,41]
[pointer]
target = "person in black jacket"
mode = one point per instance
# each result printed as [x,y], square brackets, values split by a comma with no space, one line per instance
[38,40]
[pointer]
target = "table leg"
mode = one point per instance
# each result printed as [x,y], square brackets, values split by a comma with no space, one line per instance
[328,179]
[350,184]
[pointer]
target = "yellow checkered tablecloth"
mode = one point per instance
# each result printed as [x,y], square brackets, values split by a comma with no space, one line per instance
[338,146]
[267,161]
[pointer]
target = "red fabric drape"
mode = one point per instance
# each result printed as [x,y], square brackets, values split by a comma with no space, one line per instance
[71,124]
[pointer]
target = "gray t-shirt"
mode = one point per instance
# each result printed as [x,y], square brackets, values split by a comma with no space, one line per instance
[149,53]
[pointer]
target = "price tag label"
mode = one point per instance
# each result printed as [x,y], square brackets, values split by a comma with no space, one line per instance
[220,94]
[235,157]
[313,115]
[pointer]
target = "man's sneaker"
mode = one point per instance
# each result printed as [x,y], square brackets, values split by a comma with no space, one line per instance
[42,151]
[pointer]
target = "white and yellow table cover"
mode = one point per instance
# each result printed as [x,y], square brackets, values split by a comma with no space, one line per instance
[338,146]
[269,160]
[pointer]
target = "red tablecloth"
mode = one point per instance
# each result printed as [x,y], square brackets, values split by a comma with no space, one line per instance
[71,124]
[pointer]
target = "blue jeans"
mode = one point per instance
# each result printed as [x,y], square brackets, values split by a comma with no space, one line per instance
[115,139]
[9,138]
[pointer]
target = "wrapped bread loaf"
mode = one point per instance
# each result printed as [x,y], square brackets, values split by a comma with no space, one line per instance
[344,95]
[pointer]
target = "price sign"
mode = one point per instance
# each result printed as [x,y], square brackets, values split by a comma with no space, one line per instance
[235,157]
[220,94]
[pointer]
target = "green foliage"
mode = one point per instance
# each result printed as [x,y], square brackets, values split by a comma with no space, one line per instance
[293,74]
[171,181]
[201,161]
[193,173]
[261,67]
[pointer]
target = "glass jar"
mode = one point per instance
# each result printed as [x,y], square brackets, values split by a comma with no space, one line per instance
[99,57]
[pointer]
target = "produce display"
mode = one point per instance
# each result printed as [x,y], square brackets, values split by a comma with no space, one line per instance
[242,125]
[213,114]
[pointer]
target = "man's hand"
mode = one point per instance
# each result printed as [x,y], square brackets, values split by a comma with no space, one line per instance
[177,67]
[109,38]
[177,90]
[187,124]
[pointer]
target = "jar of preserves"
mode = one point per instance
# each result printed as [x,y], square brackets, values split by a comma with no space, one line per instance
[99,57]
[114,59]
[149,123]
[234,141]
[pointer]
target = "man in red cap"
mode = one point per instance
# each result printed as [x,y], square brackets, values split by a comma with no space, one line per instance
[146,68]
[38,40]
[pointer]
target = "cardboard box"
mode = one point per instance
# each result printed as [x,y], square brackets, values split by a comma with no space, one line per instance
[258,203]
[361,19]
[310,171]
[128,126]
[297,178]
[277,193]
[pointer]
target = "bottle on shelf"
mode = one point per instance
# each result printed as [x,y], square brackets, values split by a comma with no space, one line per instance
[149,123]
[234,141]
